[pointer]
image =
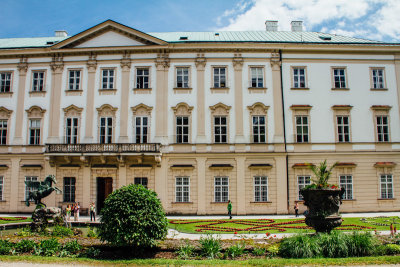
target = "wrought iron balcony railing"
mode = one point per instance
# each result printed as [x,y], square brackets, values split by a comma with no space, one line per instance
[103,148]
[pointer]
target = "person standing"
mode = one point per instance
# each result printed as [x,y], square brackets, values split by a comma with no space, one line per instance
[92,212]
[74,208]
[296,208]
[68,211]
[78,207]
[230,209]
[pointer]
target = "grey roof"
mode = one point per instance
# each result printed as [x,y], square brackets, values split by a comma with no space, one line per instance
[216,36]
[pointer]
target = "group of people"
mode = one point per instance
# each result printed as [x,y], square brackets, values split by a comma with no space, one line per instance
[75,208]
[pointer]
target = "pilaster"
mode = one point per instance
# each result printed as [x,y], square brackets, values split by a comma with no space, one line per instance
[50,169]
[240,186]
[200,66]
[123,122]
[91,67]
[86,192]
[397,70]
[281,185]
[162,67]
[201,186]
[161,174]
[238,67]
[14,184]
[19,116]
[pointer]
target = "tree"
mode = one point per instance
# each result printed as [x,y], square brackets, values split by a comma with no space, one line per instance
[133,216]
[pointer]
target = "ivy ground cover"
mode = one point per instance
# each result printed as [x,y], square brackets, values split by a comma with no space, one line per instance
[272,226]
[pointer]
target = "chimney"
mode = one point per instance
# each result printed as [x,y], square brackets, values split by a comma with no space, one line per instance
[297,26]
[61,34]
[271,25]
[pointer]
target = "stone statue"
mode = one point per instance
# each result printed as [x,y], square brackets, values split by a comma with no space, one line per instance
[41,190]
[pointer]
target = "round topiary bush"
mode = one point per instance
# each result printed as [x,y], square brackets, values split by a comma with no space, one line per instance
[132,216]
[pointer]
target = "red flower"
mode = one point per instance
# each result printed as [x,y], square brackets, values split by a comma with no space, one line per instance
[235,233]
[274,235]
[267,234]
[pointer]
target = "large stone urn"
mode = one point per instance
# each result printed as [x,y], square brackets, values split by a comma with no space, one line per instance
[323,208]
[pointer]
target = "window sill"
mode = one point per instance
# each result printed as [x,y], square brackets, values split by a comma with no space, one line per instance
[257,88]
[24,201]
[181,202]
[67,202]
[182,88]
[260,202]
[219,202]
[107,91]
[6,94]
[349,200]
[300,88]
[73,92]
[3,201]
[379,89]
[386,198]
[142,90]
[37,93]
[340,89]
[219,89]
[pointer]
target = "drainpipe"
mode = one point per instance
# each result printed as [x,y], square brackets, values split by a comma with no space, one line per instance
[284,132]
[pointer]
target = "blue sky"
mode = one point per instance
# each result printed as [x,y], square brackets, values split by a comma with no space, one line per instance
[369,19]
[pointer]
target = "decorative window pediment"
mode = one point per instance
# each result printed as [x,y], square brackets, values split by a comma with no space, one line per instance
[5,113]
[182,109]
[220,109]
[141,110]
[258,109]
[35,112]
[73,111]
[107,110]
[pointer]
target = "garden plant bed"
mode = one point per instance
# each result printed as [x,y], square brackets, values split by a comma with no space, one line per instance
[272,226]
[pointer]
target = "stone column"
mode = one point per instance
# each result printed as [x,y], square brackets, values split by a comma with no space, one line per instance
[240,186]
[281,184]
[86,192]
[201,186]
[50,169]
[238,67]
[397,69]
[125,90]
[121,172]
[14,186]
[200,66]
[278,108]
[161,122]
[161,176]
[19,116]
[57,67]
[91,67]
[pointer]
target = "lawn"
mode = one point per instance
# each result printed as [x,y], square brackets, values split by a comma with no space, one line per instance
[257,226]
[6,220]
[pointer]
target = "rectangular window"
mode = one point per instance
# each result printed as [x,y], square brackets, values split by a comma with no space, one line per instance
[1,187]
[386,186]
[257,77]
[182,189]
[5,82]
[302,129]
[141,180]
[38,81]
[378,79]
[142,78]
[74,80]
[221,189]
[182,77]
[299,77]
[69,189]
[260,188]
[302,181]
[29,189]
[346,182]
[343,128]
[339,78]
[182,129]
[3,132]
[34,132]
[259,129]
[71,131]
[106,130]
[107,78]
[219,77]
[141,129]
[382,128]
[220,129]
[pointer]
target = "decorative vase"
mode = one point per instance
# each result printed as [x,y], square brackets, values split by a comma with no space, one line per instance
[323,208]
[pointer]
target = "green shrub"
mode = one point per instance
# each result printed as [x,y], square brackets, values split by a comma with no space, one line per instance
[25,246]
[273,250]
[186,250]
[299,246]
[61,231]
[392,249]
[235,250]
[210,246]
[72,247]
[258,251]
[334,245]
[361,244]
[48,247]
[91,232]
[91,252]
[132,216]
[5,247]
[26,231]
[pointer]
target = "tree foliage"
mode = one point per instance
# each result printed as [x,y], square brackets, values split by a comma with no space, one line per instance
[133,216]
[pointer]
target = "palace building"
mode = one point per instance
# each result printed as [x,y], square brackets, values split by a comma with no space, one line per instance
[200,117]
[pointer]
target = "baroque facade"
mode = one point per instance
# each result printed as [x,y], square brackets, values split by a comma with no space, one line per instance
[200,117]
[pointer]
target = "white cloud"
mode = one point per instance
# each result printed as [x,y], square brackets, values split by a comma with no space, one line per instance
[361,18]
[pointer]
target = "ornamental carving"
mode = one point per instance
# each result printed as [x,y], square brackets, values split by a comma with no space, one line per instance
[237,62]
[258,109]
[162,61]
[92,63]
[35,112]
[106,110]
[220,109]
[200,61]
[73,111]
[126,61]
[23,66]
[141,110]
[5,113]
[182,109]
[275,61]
[57,63]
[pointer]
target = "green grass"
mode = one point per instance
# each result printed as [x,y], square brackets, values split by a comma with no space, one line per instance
[13,220]
[253,262]
[277,226]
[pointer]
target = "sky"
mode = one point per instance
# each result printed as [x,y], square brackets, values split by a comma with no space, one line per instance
[368,19]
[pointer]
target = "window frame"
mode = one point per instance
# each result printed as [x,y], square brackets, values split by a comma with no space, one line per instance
[183,75]
[37,132]
[143,138]
[386,196]
[259,127]
[182,198]
[1,188]
[302,125]
[251,77]
[302,185]
[72,189]
[382,126]
[38,89]
[3,83]
[73,127]
[219,77]
[346,86]
[260,185]
[76,85]
[180,137]
[222,198]
[372,80]
[345,185]
[4,136]
[29,189]
[107,128]
[343,126]
[137,77]
[108,77]
[221,126]
[140,180]
[293,82]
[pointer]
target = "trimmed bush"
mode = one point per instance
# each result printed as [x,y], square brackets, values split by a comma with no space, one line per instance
[25,245]
[132,216]
[48,247]
[392,249]
[61,231]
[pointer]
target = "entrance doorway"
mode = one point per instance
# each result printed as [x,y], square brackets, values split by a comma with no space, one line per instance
[104,188]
